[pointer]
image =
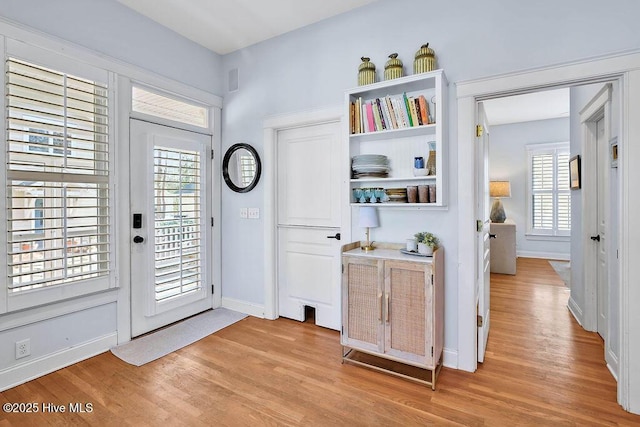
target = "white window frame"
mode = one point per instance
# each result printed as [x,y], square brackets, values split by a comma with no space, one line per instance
[25,299]
[166,121]
[537,233]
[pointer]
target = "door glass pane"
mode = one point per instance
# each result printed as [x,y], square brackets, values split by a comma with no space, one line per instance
[178,261]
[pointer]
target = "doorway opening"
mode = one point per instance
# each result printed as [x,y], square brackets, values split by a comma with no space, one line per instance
[533,138]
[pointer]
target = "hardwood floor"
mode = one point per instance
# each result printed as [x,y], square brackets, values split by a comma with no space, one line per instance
[541,369]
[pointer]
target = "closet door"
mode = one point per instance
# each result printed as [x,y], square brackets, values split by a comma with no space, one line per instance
[362,306]
[408,317]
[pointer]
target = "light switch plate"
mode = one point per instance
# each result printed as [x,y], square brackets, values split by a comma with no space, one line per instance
[254,213]
[243,213]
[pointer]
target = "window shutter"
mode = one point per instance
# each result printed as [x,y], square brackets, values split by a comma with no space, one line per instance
[57,177]
[564,194]
[550,196]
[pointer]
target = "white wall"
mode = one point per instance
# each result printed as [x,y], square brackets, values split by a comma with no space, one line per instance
[508,161]
[112,29]
[311,67]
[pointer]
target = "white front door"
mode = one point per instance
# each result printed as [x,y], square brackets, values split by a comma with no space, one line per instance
[170,225]
[483,271]
[308,197]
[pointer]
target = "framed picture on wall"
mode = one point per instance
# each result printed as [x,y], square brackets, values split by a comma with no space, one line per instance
[613,150]
[574,172]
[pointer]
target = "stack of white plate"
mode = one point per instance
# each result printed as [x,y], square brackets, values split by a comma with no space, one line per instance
[370,165]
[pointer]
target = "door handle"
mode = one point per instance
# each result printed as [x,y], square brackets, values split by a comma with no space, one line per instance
[595,238]
[138,239]
[492,236]
[337,236]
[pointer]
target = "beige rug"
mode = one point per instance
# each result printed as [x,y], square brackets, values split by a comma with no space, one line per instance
[153,346]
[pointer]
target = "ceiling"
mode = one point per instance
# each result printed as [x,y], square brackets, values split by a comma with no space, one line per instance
[224,26]
[529,107]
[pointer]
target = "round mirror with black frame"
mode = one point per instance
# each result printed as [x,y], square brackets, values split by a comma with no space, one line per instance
[241,167]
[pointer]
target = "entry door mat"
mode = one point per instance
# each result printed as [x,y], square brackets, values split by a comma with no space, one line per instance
[563,268]
[157,344]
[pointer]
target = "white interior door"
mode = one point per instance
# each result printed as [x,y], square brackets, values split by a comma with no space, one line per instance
[602,165]
[170,276]
[308,197]
[483,271]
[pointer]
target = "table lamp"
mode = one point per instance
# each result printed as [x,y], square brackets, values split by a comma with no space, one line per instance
[498,189]
[368,219]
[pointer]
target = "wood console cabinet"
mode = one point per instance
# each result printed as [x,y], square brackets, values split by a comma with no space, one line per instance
[393,309]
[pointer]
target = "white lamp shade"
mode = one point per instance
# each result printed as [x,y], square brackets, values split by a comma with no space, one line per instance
[500,189]
[368,217]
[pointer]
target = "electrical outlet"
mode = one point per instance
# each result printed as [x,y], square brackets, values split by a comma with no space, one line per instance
[243,213]
[254,213]
[23,348]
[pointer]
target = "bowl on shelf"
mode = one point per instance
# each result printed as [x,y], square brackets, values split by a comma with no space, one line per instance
[420,172]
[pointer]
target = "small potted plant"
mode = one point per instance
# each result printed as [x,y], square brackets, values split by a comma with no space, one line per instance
[427,242]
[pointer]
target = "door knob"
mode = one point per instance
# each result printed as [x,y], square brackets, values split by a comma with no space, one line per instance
[337,236]
[595,238]
[138,239]
[492,236]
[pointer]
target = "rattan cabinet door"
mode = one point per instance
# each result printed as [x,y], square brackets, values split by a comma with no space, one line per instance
[408,312]
[362,284]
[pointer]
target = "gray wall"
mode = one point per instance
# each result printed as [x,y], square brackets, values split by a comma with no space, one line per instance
[508,161]
[311,67]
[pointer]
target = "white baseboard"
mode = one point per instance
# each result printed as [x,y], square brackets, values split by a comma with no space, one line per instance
[544,255]
[575,310]
[32,369]
[612,363]
[450,358]
[245,307]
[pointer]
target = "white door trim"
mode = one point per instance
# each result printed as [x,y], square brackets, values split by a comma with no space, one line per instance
[123,209]
[599,105]
[271,127]
[624,67]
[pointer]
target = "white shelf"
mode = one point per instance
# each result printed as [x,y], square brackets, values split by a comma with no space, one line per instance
[396,179]
[403,145]
[429,129]
[400,205]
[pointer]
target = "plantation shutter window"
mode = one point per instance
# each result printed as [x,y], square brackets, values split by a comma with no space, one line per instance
[58,222]
[549,193]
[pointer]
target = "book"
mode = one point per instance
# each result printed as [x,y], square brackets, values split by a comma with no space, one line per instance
[417,102]
[398,108]
[424,109]
[386,121]
[383,122]
[376,115]
[352,118]
[370,120]
[407,109]
[392,116]
[412,109]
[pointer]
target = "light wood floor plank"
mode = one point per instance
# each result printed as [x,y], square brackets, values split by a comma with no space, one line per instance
[541,369]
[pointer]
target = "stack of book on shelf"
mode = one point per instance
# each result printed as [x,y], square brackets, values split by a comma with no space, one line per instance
[389,112]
